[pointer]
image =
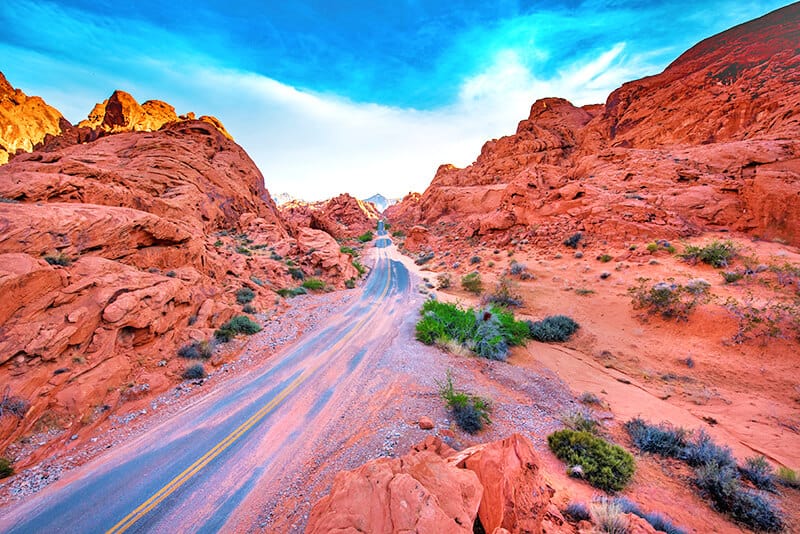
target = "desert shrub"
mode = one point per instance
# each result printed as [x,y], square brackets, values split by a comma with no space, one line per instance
[444,320]
[573,240]
[350,283]
[768,320]
[425,257]
[587,397]
[716,253]
[757,470]
[197,350]
[314,284]
[604,258]
[553,328]
[296,273]
[652,247]
[443,281]
[668,299]
[218,243]
[194,372]
[731,276]
[662,523]
[515,332]
[398,233]
[6,470]
[577,511]
[13,405]
[349,250]
[474,260]
[244,250]
[289,292]
[580,420]
[788,477]
[505,294]
[249,308]
[470,412]
[721,484]
[360,268]
[609,517]
[662,439]
[472,282]
[58,259]
[366,236]
[517,269]
[241,324]
[703,450]
[605,466]
[488,339]
[245,295]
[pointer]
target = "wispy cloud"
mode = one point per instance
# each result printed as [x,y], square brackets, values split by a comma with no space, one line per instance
[310,140]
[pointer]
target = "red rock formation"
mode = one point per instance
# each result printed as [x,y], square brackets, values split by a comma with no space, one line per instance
[434,489]
[155,228]
[342,216]
[420,492]
[712,142]
[122,113]
[24,120]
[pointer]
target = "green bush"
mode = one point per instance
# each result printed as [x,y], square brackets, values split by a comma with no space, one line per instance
[757,470]
[443,281]
[349,250]
[553,328]
[472,282]
[350,283]
[398,233]
[244,250]
[366,237]
[289,292]
[577,511]
[605,466]
[788,477]
[470,412]
[731,277]
[249,308]
[296,273]
[717,253]
[360,268]
[604,258]
[194,372]
[58,259]
[314,284]
[245,295]
[6,470]
[488,339]
[241,324]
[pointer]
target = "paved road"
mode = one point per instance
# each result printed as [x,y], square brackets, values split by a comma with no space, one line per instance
[194,472]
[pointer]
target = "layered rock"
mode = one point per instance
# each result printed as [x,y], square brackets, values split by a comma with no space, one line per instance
[710,143]
[115,252]
[24,121]
[342,216]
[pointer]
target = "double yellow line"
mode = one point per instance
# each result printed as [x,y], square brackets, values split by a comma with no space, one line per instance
[143,509]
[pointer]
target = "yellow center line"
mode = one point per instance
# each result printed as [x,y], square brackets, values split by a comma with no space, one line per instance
[144,508]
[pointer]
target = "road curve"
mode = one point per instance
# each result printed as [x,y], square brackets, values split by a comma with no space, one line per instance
[194,471]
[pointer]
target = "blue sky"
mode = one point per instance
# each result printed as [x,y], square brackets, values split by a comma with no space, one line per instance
[364,97]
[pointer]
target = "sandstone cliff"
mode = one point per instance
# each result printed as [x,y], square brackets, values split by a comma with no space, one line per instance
[342,216]
[713,142]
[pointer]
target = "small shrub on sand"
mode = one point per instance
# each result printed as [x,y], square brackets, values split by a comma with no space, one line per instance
[472,282]
[60,259]
[577,511]
[194,372]
[573,240]
[314,284]
[245,295]
[663,439]
[366,237]
[470,412]
[505,294]
[553,328]
[717,253]
[581,420]
[443,281]
[604,465]
[788,477]
[757,470]
[197,350]
[241,324]
[609,517]
[6,470]
[668,299]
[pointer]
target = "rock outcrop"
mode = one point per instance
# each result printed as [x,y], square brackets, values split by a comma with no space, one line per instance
[122,113]
[342,216]
[24,121]
[434,489]
[117,251]
[713,142]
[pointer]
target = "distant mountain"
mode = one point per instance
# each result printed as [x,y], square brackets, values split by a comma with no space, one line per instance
[283,198]
[381,202]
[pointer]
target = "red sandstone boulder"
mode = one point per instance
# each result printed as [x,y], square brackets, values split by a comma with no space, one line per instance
[342,216]
[419,492]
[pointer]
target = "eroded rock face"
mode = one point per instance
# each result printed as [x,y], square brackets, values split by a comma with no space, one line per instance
[712,142]
[24,121]
[419,492]
[435,489]
[117,251]
[342,216]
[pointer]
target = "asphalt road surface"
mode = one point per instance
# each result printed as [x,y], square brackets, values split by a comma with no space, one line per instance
[196,471]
